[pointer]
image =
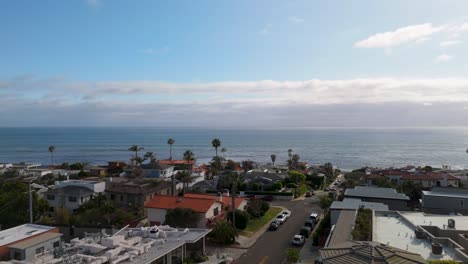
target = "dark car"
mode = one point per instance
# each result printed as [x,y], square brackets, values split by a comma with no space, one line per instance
[305,231]
[309,223]
[274,225]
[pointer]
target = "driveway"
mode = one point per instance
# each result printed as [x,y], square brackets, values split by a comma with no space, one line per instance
[272,245]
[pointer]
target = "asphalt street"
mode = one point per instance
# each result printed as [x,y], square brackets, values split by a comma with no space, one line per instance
[271,247]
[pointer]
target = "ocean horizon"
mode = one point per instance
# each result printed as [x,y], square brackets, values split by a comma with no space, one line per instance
[347,148]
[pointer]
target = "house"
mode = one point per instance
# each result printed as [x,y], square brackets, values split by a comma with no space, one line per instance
[116,166]
[26,166]
[425,179]
[445,200]
[100,171]
[226,200]
[157,170]
[367,252]
[155,244]
[209,210]
[25,241]
[352,204]
[387,196]
[71,194]
[129,194]
[177,163]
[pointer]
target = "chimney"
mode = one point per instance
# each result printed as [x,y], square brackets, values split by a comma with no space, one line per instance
[220,198]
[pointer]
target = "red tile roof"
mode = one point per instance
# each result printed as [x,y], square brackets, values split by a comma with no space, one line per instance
[227,200]
[432,176]
[200,205]
[175,162]
[374,176]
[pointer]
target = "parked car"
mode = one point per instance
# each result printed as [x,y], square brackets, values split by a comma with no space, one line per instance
[314,216]
[281,218]
[305,231]
[298,240]
[274,225]
[309,223]
[286,213]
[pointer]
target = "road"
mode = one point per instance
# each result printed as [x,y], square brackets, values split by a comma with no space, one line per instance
[272,245]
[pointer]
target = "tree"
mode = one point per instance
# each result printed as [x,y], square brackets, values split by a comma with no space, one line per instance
[295,160]
[135,148]
[290,153]
[257,207]
[234,180]
[273,158]
[216,144]
[149,155]
[216,165]
[325,201]
[189,156]
[292,255]
[182,217]
[296,177]
[223,151]
[171,142]
[223,233]
[185,178]
[52,150]
[240,219]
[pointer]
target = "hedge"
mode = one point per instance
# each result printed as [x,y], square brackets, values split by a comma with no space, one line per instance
[262,193]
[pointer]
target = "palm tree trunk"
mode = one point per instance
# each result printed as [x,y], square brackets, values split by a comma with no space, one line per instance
[170,152]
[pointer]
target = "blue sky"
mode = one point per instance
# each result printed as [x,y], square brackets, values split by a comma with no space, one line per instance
[115,62]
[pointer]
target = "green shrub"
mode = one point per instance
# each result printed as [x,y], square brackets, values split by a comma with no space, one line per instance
[291,185]
[257,208]
[223,233]
[242,218]
[181,217]
[292,255]
[277,186]
[363,226]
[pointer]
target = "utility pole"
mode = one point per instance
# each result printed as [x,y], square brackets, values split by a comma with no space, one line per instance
[30,204]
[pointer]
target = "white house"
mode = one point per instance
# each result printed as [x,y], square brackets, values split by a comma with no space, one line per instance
[71,194]
[157,170]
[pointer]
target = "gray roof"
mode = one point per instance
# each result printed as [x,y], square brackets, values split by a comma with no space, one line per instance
[357,252]
[375,192]
[77,191]
[342,231]
[352,203]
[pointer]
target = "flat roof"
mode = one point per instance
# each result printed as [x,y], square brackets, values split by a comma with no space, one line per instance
[35,240]
[394,230]
[446,194]
[14,234]
[441,221]
[376,192]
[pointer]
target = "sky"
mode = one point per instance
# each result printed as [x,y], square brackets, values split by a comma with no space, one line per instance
[245,63]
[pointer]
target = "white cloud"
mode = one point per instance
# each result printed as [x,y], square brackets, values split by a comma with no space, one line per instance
[404,35]
[344,102]
[147,51]
[296,20]
[443,58]
[449,43]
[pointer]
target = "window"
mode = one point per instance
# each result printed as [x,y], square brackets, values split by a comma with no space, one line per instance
[39,250]
[461,204]
[17,255]
[81,199]
[121,198]
[72,199]
[216,211]
[56,244]
[112,197]
[50,197]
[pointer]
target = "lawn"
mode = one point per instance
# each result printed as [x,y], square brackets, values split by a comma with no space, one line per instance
[256,223]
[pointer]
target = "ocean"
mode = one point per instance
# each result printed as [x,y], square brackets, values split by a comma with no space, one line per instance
[346,148]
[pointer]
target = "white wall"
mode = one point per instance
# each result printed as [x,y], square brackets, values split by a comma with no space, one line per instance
[156,215]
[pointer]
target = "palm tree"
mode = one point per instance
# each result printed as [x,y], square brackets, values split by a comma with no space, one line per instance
[290,153]
[273,158]
[185,178]
[52,150]
[149,155]
[216,144]
[234,180]
[135,148]
[223,150]
[189,156]
[170,142]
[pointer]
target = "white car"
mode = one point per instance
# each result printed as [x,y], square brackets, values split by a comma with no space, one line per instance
[286,213]
[298,240]
[281,218]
